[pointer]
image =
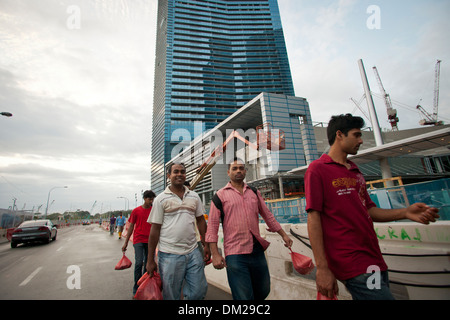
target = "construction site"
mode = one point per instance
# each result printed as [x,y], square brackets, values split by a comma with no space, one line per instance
[276,137]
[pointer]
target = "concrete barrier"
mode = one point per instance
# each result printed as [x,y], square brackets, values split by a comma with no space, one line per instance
[418,258]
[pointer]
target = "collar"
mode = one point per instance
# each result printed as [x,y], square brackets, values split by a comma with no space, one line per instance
[328,160]
[167,190]
[230,186]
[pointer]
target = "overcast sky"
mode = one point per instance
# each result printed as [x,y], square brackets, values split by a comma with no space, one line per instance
[78,77]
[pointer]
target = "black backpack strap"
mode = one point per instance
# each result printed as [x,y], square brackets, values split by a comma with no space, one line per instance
[253,189]
[218,203]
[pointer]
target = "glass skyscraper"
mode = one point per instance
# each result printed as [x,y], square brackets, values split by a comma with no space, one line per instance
[212,57]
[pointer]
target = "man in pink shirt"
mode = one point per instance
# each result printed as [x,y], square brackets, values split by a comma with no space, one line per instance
[247,270]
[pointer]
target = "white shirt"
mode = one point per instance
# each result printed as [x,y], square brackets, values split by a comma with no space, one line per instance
[177,218]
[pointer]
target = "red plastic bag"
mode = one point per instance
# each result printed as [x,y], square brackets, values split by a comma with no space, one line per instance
[322,297]
[142,279]
[145,276]
[124,263]
[302,264]
[150,288]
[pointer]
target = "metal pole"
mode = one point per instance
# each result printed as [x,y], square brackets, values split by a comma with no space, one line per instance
[370,104]
[384,165]
[48,198]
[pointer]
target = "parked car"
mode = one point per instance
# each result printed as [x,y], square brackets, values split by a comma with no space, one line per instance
[32,231]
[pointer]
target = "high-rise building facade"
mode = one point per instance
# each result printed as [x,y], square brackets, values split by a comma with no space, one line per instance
[212,57]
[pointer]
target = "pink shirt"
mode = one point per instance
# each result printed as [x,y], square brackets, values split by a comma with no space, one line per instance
[241,221]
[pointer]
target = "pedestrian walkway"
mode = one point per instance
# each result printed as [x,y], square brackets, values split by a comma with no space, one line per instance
[215,293]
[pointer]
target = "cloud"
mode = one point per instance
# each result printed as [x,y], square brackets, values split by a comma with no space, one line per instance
[82,97]
[326,39]
[81,100]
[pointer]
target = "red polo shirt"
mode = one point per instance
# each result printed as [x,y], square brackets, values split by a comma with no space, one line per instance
[340,195]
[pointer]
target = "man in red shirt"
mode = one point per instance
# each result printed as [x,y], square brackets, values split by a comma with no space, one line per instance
[247,270]
[140,229]
[341,215]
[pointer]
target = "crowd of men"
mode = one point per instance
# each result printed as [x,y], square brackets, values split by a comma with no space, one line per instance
[171,236]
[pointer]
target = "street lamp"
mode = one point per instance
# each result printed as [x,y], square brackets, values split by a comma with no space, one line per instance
[125,202]
[6,114]
[48,198]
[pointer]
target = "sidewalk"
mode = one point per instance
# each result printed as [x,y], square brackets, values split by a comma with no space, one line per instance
[215,293]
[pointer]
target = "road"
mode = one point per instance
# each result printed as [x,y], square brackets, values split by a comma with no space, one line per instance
[79,265]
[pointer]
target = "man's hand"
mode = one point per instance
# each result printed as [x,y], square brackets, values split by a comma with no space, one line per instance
[218,262]
[151,267]
[287,241]
[422,213]
[206,253]
[326,282]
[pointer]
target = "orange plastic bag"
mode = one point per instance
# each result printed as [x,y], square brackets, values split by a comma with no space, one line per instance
[150,288]
[322,297]
[124,263]
[302,264]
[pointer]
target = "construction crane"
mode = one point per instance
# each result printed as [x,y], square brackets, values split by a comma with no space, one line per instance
[391,112]
[432,119]
[266,139]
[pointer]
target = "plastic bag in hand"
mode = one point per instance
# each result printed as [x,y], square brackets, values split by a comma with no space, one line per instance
[150,288]
[146,275]
[124,263]
[302,264]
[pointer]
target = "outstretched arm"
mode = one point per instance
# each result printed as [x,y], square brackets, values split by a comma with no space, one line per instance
[418,212]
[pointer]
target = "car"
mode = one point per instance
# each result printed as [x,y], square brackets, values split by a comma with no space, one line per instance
[34,231]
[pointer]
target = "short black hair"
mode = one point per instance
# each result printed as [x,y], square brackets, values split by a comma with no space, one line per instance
[169,168]
[343,123]
[149,194]
[234,160]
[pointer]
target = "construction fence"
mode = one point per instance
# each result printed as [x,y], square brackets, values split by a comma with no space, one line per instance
[433,193]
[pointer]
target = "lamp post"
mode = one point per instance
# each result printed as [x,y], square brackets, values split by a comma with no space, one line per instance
[48,198]
[127,201]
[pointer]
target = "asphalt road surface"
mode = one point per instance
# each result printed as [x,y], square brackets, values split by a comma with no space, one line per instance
[79,265]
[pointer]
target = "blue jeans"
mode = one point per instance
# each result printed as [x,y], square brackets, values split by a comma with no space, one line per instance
[248,275]
[182,272]
[140,257]
[359,289]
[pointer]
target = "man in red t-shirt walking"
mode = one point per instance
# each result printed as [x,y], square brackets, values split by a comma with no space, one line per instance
[140,229]
[341,215]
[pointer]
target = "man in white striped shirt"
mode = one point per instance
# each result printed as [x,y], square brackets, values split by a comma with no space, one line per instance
[173,218]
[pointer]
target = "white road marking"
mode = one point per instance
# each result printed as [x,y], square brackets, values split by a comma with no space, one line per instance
[31,276]
[59,249]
